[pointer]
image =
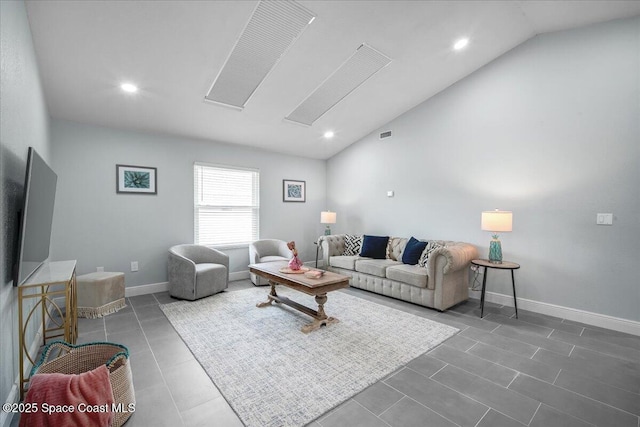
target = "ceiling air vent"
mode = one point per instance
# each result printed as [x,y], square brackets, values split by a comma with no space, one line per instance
[270,32]
[364,63]
[386,134]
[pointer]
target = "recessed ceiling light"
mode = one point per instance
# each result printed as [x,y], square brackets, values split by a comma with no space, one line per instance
[129,87]
[329,134]
[460,44]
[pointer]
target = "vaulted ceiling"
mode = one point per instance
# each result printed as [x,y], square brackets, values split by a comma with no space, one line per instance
[173,51]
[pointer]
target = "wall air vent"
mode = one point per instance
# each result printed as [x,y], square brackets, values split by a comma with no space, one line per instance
[270,32]
[386,134]
[364,63]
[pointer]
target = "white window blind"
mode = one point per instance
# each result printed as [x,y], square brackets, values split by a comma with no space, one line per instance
[226,205]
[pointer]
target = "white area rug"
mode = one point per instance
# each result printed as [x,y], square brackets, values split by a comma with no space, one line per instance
[272,374]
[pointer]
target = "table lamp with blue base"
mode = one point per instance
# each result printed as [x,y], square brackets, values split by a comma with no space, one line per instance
[327,217]
[496,221]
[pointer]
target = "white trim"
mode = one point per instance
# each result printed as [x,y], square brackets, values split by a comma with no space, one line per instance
[14,393]
[223,166]
[239,275]
[151,288]
[576,315]
[7,417]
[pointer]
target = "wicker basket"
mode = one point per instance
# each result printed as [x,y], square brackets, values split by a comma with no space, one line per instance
[64,358]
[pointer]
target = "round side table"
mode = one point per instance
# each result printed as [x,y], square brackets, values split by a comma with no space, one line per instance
[506,265]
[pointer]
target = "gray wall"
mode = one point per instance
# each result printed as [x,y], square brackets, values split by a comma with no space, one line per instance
[98,227]
[23,123]
[550,131]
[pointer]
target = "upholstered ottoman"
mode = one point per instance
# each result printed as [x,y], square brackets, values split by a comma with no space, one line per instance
[100,294]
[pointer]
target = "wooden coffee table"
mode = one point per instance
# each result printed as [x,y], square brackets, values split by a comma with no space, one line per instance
[316,287]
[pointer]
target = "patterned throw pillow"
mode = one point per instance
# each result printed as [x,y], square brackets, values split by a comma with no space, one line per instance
[352,245]
[431,246]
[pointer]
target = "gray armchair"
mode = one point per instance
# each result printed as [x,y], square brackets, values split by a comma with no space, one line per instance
[197,271]
[267,250]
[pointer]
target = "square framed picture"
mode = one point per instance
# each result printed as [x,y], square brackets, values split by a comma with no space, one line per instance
[136,179]
[293,191]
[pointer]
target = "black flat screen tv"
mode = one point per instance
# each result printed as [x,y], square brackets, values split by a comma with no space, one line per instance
[35,218]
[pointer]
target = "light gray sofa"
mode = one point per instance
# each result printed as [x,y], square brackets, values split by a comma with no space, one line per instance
[442,283]
[197,271]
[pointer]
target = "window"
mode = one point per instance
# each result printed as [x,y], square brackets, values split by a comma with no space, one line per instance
[226,205]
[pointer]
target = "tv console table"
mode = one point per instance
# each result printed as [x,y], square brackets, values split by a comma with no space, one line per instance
[52,280]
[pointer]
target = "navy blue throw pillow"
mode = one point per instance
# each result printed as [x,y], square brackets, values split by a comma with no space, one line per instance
[412,251]
[374,246]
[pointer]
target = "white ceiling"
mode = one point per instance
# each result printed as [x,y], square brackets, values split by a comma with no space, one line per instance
[174,49]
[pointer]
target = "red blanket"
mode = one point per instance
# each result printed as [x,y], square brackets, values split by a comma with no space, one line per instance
[60,400]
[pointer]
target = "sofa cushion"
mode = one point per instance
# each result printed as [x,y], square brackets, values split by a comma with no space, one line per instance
[412,251]
[395,247]
[431,246]
[342,261]
[352,244]
[374,247]
[409,274]
[375,267]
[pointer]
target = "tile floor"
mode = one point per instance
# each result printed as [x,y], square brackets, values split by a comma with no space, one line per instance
[497,371]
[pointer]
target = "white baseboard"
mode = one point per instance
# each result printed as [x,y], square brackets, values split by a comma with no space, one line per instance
[576,315]
[7,417]
[14,393]
[152,288]
[239,275]
[582,316]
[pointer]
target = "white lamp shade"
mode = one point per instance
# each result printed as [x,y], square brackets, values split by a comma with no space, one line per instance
[497,221]
[327,217]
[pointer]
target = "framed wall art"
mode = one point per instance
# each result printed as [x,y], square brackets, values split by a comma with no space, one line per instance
[136,179]
[293,191]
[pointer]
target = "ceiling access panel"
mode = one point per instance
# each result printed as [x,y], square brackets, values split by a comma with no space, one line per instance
[361,66]
[272,29]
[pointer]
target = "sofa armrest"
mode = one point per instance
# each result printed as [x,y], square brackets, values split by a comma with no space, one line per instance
[449,259]
[254,255]
[181,272]
[332,245]
[457,256]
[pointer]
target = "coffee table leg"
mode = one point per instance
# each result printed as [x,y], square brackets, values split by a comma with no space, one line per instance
[270,296]
[320,300]
[321,318]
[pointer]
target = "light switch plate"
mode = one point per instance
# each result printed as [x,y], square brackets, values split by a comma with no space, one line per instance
[389,193]
[134,265]
[604,219]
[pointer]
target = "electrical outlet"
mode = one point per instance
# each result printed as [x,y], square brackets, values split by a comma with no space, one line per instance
[134,265]
[100,269]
